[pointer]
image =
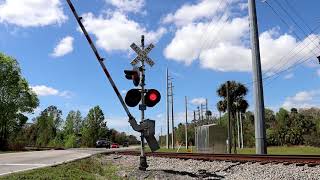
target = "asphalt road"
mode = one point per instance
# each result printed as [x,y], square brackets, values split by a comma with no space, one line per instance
[22,161]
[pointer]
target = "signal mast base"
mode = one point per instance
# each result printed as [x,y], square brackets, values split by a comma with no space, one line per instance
[143,163]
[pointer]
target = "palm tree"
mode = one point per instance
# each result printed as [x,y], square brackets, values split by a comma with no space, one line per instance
[237,93]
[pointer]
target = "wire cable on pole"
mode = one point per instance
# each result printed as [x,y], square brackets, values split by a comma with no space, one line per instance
[292,19]
[208,26]
[277,74]
[284,57]
[220,21]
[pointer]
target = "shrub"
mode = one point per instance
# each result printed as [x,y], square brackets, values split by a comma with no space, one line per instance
[70,141]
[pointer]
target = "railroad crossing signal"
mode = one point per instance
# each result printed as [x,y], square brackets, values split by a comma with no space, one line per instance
[142,54]
[147,97]
[133,75]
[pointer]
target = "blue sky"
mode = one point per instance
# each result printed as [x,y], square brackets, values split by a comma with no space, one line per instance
[203,43]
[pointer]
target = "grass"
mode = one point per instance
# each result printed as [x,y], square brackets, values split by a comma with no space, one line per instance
[285,150]
[89,168]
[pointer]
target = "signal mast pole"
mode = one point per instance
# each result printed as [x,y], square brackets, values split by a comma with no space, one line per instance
[143,160]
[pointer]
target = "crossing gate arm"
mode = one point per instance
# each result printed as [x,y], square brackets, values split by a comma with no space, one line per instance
[100,60]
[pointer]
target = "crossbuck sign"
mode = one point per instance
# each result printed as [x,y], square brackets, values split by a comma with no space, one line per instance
[142,54]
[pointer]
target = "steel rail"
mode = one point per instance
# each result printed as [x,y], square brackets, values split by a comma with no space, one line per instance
[286,159]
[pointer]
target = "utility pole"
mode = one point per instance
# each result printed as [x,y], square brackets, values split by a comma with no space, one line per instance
[260,131]
[201,112]
[238,128]
[186,126]
[207,115]
[241,130]
[194,115]
[172,116]
[167,104]
[229,122]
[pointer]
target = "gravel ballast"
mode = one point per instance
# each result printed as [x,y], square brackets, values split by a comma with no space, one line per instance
[165,168]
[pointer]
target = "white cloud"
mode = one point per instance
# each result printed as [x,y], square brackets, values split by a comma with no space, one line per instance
[118,122]
[289,76]
[32,13]
[198,101]
[303,99]
[180,117]
[117,32]
[193,40]
[243,6]
[127,5]
[64,47]
[224,45]
[42,90]
[189,13]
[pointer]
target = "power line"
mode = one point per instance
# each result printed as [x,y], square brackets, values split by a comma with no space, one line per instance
[291,67]
[282,71]
[220,21]
[288,61]
[277,75]
[218,32]
[208,26]
[279,4]
[291,53]
[297,14]
[283,58]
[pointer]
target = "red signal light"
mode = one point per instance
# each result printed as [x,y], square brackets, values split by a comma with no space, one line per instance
[152,97]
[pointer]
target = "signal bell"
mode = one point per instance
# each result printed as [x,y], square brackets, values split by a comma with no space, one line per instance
[152,97]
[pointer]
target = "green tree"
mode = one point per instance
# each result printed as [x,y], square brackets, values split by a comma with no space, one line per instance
[16,98]
[73,123]
[72,128]
[270,118]
[180,133]
[69,128]
[133,139]
[94,127]
[282,120]
[121,138]
[248,129]
[48,127]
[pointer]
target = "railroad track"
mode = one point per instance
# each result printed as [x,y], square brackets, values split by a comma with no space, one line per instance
[298,160]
